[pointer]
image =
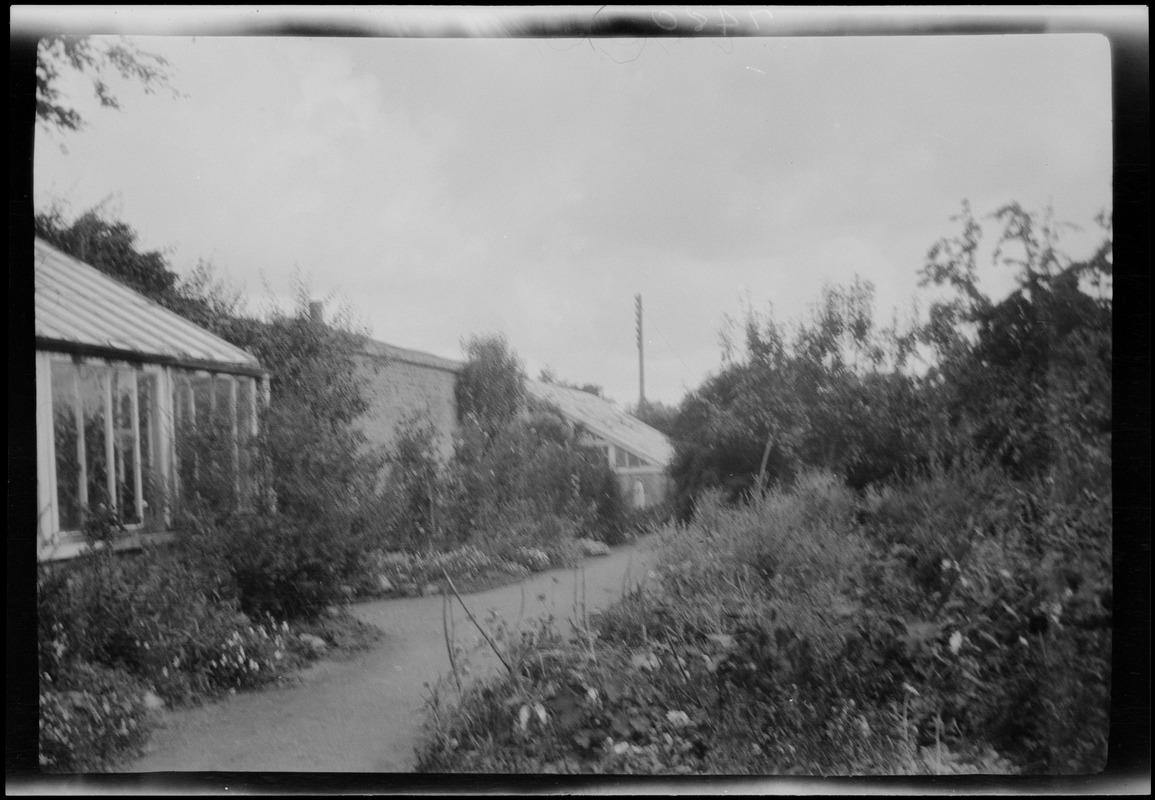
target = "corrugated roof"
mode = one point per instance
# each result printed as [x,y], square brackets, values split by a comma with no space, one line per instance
[604,419]
[78,304]
[389,351]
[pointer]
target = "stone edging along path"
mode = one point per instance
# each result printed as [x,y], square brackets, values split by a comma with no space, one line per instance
[365,714]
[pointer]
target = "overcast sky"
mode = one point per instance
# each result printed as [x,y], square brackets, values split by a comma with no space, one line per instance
[441,188]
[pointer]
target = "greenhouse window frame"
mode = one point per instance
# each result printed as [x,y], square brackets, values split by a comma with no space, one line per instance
[127,449]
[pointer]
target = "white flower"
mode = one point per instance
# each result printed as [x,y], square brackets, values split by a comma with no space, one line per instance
[621,747]
[956,640]
[678,718]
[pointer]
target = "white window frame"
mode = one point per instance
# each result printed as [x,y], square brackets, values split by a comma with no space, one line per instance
[53,542]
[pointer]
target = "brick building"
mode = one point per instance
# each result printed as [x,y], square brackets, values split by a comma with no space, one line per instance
[403,383]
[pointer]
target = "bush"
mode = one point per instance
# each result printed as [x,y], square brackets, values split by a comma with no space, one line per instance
[167,622]
[299,537]
[412,506]
[1005,590]
[90,717]
[490,390]
[281,567]
[114,626]
[958,623]
[516,481]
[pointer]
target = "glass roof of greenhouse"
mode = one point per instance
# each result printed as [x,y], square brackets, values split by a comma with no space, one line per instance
[607,421]
[79,308]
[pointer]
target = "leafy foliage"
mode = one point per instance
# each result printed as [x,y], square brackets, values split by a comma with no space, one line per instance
[1023,382]
[90,716]
[951,615]
[96,58]
[520,477]
[491,387]
[828,395]
[1026,380]
[812,632]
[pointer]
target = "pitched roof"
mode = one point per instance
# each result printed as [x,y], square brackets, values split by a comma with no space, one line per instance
[392,352]
[78,305]
[604,419]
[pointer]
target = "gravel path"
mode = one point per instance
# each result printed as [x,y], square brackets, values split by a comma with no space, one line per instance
[364,714]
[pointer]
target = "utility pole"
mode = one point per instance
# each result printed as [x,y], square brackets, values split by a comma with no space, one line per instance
[641,356]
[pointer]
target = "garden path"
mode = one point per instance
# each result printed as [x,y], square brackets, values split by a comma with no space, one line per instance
[364,714]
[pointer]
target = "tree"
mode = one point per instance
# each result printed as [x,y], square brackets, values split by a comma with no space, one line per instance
[490,390]
[320,467]
[95,57]
[828,393]
[1025,380]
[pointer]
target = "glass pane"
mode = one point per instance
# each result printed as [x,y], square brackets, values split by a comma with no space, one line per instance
[124,446]
[93,380]
[150,459]
[203,398]
[209,445]
[67,459]
[221,387]
[185,428]
[620,457]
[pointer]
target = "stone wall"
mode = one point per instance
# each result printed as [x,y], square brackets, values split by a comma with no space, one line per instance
[397,389]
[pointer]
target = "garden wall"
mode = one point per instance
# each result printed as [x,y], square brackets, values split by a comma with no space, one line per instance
[401,383]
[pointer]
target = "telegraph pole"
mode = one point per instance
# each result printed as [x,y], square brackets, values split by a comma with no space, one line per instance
[641,355]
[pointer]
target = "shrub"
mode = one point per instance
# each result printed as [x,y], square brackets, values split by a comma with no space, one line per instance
[955,624]
[412,508]
[1005,590]
[281,567]
[90,717]
[514,531]
[166,621]
[491,387]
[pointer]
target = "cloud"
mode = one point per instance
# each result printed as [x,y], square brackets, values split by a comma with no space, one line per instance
[446,187]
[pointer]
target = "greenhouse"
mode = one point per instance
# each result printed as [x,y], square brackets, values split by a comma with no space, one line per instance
[137,408]
[638,454]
